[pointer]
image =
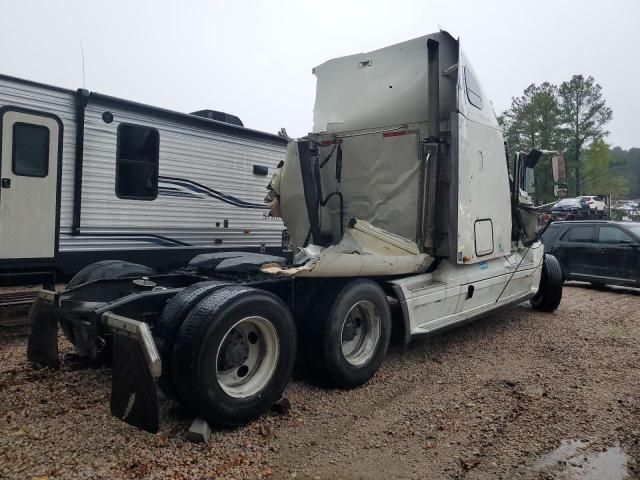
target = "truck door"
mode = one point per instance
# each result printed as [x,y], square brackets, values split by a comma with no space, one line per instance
[29,160]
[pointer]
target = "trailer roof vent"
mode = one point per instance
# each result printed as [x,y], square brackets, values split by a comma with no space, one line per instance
[219,116]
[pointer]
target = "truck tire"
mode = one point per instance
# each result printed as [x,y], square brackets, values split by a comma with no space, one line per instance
[350,332]
[169,323]
[234,355]
[121,269]
[548,297]
[83,275]
[105,269]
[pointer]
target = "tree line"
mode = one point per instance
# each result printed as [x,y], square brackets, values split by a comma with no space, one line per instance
[572,117]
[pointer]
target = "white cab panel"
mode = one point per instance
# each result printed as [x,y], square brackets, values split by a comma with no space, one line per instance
[455,293]
[484,208]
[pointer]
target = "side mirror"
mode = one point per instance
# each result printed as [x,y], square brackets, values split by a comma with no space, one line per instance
[559,169]
[533,157]
[560,191]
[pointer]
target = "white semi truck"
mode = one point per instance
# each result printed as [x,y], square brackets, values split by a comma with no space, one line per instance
[401,196]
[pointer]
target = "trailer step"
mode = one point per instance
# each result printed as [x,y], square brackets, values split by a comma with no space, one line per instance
[12,299]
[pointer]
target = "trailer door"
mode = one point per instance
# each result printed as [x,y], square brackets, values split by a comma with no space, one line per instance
[29,161]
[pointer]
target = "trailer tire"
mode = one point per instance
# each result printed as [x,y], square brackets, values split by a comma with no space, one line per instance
[360,310]
[549,295]
[168,326]
[249,338]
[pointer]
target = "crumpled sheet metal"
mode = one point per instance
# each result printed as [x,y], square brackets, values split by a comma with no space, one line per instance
[360,253]
[329,264]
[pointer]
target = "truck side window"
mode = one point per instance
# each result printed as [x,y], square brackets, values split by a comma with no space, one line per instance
[613,235]
[137,162]
[580,234]
[30,156]
[474,94]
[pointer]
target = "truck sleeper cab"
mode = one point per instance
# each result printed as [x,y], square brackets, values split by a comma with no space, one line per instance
[399,197]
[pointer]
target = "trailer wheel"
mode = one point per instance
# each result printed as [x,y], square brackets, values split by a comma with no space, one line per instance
[548,297]
[234,355]
[350,330]
[169,324]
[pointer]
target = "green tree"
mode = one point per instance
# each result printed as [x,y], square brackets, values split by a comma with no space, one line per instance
[598,176]
[584,113]
[626,164]
[534,121]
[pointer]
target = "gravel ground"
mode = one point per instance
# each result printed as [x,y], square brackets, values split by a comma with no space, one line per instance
[484,401]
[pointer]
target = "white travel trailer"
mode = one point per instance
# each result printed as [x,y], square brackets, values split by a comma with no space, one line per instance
[401,196]
[86,177]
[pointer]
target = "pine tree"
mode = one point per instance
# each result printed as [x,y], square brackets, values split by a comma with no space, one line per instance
[598,177]
[584,113]
[533,121]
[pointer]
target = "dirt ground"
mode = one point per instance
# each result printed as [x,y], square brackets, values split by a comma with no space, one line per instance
[493,399]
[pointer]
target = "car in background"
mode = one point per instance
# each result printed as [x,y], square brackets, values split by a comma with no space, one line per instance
[565,208]
[600,252]
[592,203]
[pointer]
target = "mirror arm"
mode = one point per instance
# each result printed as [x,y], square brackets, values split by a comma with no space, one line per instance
[539,208]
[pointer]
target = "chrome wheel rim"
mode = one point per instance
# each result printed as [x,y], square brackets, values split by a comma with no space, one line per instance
[247,357]
[360,333]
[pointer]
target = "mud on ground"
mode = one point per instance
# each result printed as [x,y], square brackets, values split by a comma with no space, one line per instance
[494,399]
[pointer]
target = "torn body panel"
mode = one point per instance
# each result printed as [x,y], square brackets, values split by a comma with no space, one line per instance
[363,251]
[406,140]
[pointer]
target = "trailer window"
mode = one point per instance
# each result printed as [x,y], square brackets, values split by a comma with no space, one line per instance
[30,156]
[137,162]
[473,89]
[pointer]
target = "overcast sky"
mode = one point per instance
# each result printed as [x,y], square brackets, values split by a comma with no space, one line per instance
[254,58]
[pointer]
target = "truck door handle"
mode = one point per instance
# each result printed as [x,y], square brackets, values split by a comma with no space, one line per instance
[6,183]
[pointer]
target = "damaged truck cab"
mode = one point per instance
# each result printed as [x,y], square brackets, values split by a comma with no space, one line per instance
[405,175]
[406,141]
[401,196]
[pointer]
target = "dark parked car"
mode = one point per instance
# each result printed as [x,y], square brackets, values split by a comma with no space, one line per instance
[599,252]
[566,207]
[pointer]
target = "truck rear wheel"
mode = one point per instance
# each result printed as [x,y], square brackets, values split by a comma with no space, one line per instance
[350,330]
[105,269]
[108,269]
[83,275]
[549,294]
[234,355]
[168,326]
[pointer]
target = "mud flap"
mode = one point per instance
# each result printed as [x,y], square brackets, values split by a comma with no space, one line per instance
[134,397]
[42,349]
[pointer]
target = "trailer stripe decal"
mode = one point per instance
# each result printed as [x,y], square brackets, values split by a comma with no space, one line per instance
[203,190]
[145,237]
